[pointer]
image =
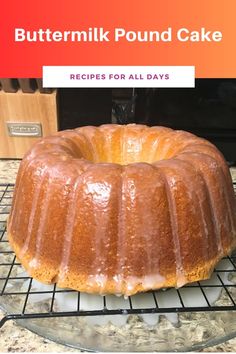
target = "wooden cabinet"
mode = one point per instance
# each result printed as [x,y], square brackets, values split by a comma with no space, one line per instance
[26,110]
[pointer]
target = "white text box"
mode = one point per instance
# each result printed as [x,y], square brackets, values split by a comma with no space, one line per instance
[118,76]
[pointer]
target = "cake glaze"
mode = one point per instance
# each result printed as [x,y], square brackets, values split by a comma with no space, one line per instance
[122,209]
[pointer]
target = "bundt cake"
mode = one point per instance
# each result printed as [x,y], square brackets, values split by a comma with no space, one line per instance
[122,209]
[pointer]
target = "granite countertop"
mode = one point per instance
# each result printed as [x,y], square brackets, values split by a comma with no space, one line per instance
[14,338]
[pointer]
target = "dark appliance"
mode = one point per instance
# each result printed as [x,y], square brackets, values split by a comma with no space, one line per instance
[208,110]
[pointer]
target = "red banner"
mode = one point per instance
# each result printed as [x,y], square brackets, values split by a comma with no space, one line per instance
[124,32]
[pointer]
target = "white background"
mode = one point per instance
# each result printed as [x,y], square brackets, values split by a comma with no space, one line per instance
[179,76]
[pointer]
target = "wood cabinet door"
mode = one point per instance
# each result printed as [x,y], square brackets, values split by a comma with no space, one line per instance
[26,108]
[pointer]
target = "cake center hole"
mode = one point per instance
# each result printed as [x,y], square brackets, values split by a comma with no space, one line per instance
[124,153]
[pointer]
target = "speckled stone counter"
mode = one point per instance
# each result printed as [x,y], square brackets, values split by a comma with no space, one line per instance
[8,170]
[14,338]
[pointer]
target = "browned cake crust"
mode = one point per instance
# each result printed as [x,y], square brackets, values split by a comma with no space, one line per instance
[122,209]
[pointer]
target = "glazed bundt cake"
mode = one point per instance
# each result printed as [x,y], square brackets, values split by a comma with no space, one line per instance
[122,209]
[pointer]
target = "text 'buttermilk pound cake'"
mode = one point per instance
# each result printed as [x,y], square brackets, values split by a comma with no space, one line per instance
[122,209]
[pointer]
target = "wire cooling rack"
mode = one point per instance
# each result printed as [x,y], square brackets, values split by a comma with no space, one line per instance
[11,273]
